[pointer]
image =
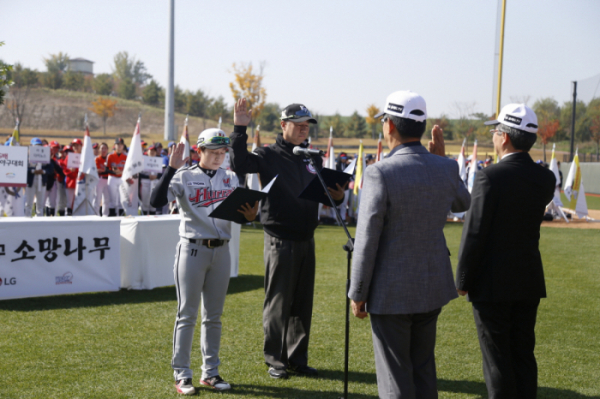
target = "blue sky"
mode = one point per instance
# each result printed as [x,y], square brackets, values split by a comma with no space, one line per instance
[334,56]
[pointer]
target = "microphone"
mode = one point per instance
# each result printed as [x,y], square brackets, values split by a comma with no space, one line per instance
[307,152]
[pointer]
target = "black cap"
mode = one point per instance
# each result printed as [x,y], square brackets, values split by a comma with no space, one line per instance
[297,113]
[119,140]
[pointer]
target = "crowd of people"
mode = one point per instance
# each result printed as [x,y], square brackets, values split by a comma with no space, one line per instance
[51,186]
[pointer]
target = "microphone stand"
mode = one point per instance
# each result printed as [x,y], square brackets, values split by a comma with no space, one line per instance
[349,248]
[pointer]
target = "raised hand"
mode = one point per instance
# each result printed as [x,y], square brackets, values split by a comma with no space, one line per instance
[176,160]
[436,145]
[241,114]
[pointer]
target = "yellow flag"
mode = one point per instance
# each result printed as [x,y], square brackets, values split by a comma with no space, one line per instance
[359,168]
[576,183]
[15,136]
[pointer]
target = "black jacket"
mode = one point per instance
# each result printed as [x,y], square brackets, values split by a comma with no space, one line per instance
[282,213]
[499,258]
[48,169]
[52,178]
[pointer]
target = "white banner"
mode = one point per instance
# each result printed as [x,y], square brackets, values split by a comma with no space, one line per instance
[54,256]
[39,154]
[73,160]
[13,166]
[153,164]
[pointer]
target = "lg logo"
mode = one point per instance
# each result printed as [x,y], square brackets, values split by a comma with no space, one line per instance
[8,281]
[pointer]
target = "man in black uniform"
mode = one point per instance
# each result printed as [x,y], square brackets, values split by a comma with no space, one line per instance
[289,224]
[499,263]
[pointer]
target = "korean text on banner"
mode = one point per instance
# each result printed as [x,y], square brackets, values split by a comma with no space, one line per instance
[46,256]
[73,160]
[39,154]
[13,166]
[153,164]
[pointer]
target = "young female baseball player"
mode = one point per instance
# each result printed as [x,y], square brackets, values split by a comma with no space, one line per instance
[202,261]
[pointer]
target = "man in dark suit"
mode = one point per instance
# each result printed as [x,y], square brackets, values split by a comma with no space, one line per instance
[401,273]
[499,263]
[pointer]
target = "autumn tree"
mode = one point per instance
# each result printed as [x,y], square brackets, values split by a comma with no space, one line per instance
[5,80]
[105,108]
[547,128]
[372,110]
[248,84]
[593,114]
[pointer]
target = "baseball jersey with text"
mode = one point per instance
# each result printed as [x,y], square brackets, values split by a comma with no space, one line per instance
[197,195]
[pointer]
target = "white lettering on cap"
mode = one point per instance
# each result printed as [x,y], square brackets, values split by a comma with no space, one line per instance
[395,107]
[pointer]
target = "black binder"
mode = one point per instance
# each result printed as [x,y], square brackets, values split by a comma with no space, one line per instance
[315,192]
[228,209]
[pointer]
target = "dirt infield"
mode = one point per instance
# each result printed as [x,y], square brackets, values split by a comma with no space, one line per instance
[576,223]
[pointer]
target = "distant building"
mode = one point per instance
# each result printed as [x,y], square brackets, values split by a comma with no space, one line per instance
[81,65]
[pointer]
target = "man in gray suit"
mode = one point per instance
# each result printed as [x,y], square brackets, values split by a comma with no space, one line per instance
[401,272]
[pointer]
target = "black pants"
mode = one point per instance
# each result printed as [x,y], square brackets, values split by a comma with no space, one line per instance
[506,332]
[404,347]
[287,311]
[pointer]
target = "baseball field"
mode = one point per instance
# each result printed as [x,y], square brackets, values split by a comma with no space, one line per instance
[118,345]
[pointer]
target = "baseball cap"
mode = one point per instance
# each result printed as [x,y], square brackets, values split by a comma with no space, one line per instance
[369,157]
[171,144]
[76,141]
[119,140]
[297,113]
[213,138]
[67,148]
[405,104]
[36,141]
[95,145]
[152,147]
[519,116]
[54,143]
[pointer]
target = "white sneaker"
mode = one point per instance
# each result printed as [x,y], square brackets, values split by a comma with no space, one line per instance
[185,387]
[216,382]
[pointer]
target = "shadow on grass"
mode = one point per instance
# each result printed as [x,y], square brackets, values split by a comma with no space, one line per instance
[244,282]
[353,376]
[262,391]
[479,388]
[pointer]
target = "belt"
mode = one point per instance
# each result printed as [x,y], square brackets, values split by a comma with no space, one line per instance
[104,177]
[213,243]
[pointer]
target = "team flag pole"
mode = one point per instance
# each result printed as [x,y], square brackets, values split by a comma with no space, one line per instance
[134,164]
[574,190]
[330,156]
[87,178]
[462,162]
[472,168]
[360,167]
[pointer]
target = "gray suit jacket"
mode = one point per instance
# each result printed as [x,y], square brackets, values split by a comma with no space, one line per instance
[401,262]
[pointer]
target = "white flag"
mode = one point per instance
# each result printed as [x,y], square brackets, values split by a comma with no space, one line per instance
[581,208]
[462,163]
[554,169]
[134,164]
[472,168]
[185,139]
[87,179]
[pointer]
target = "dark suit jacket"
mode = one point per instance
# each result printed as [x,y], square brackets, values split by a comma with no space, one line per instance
[48,169]
[499,258]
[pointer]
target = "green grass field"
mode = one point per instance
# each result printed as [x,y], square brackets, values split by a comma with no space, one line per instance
[118,345]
